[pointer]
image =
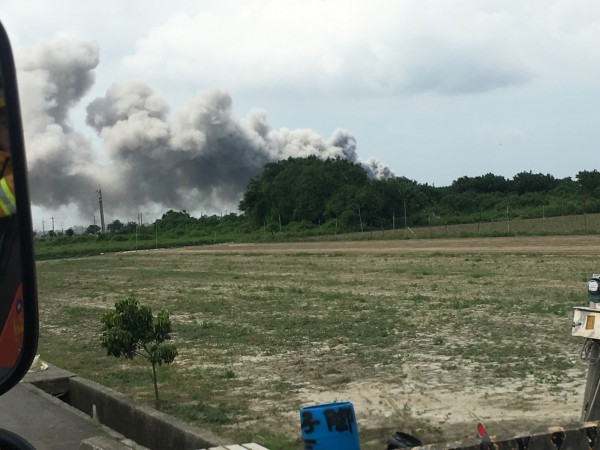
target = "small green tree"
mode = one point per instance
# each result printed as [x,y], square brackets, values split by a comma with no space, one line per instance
[131,330]
[92,229]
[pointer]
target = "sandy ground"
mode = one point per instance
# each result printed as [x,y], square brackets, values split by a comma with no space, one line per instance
[534,244]
[426,392]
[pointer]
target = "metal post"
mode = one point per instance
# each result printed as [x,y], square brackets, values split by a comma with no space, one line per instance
[429,217]
[99,191]
[405,222]
[591,398]
[591,352]
[360,219]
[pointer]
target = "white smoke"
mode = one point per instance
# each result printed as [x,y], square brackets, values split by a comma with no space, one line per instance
[199,158]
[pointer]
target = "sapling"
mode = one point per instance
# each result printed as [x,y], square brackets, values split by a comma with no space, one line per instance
[132,330]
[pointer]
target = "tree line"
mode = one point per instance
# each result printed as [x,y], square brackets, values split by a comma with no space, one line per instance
[335,191]
[299,194]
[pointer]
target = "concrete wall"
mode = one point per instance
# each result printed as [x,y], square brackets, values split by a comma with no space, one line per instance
[146,426]
[556,438]
[158,431]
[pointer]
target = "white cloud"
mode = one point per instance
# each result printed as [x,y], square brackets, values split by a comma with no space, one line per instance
[381,47]
[406,78]
[500,132]
[204,154]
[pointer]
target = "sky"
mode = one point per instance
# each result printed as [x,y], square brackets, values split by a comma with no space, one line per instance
[178,105]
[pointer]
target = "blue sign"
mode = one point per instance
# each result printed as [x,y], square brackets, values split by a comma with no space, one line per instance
[331,426]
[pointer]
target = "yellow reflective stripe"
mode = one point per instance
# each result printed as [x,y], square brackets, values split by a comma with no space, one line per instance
[7,199]
[9,193]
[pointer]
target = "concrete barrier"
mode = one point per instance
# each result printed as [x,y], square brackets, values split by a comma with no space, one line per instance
[159,431]
[144,425]
[102,443]
[556,438]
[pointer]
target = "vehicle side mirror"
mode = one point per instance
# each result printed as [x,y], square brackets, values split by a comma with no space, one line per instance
[18,294]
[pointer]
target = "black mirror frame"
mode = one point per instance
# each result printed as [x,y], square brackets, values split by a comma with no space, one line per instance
[28,278]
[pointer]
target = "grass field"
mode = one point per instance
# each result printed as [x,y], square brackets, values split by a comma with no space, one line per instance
[64,247]
[423,336]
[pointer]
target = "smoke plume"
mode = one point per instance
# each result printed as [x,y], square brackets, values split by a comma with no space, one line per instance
[200,158]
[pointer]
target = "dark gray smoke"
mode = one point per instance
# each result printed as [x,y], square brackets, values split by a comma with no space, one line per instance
[53,79]
[64,72]
[200,158]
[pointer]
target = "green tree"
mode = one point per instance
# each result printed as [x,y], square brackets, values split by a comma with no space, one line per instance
[527,182]
[132,330]
[131,227]
[303,189]
[116,226]
[482,184]
[92,229]
[172,220]
[589,181]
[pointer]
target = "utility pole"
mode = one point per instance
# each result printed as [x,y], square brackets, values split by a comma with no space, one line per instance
[543,218]
[405,222]
[591,405]
[99,191]
[360,219]
[584,218]
[585,325]
[429,218]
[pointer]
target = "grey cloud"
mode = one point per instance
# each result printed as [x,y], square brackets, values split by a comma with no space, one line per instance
[376,169]
[206,154]
[460,76]
[201,158]
[57,178]
[417,46]
[67,67]
[53,79]
[123,100]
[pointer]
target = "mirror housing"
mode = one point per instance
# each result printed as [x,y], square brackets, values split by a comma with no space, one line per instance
[18,294]
[12,441]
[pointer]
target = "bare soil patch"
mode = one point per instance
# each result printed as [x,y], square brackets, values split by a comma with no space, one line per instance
[533,244]
[423,336]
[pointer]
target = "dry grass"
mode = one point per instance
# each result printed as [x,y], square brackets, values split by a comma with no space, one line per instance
[422,336]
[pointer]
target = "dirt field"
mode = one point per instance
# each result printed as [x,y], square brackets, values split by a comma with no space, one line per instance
[432,393]
[576,245]
[458,330]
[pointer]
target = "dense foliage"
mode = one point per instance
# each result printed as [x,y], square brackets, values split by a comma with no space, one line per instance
[317,192]
[131,330]
[299,197]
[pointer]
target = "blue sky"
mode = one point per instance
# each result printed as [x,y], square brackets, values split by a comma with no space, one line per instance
[432,89]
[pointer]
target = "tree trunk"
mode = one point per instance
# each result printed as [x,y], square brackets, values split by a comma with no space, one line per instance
[157,401]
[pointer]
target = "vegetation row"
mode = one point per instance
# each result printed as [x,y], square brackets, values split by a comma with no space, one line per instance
[305,197]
